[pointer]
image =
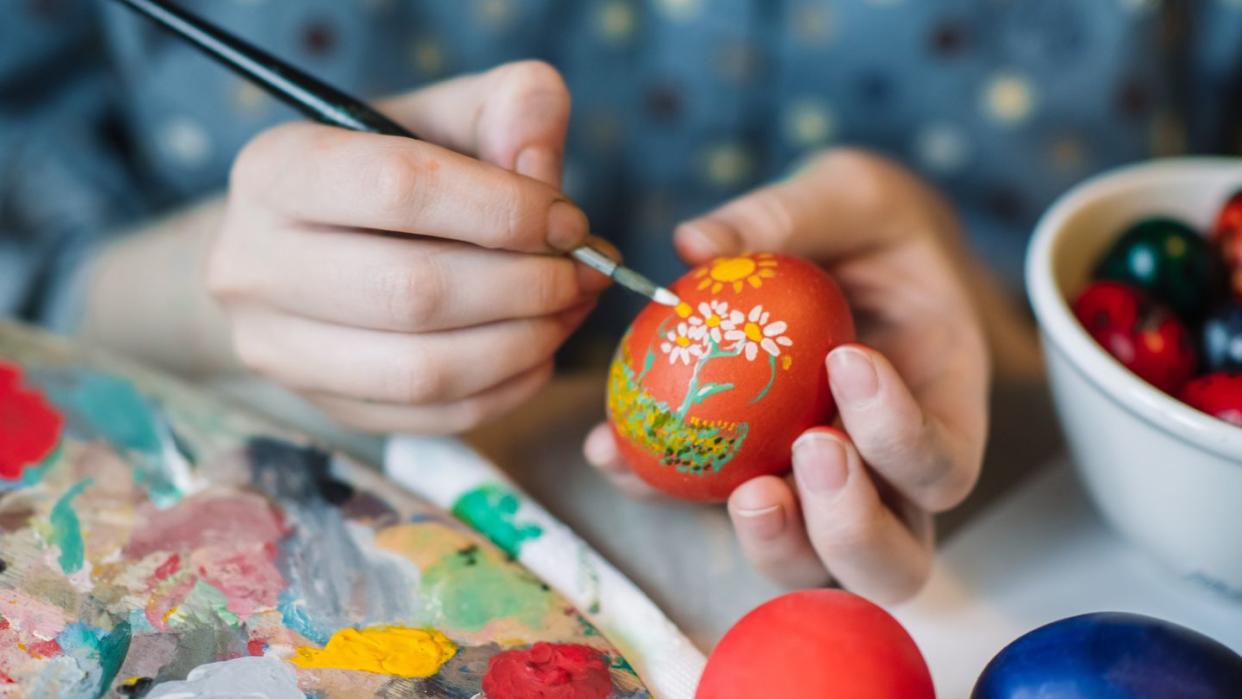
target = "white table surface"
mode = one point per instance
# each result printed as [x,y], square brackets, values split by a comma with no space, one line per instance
[1040,554]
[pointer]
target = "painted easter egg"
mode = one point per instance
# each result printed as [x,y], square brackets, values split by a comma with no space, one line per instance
[1222,339]
[1148,339]
[1218,395]
[827,644]
[712,393]
[1109,655]
[1227,235]
[1170,261]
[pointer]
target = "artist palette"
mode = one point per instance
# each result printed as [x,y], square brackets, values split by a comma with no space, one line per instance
[709,394]
[158,544]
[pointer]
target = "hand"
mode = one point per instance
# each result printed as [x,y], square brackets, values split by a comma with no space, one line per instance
[912,398]
[406,285]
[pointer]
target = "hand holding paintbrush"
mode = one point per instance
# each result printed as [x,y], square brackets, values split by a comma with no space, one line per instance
[404,285]
[326,104]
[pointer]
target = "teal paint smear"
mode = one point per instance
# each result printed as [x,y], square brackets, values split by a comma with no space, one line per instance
[293,615]
[66,529]
[114,409]
[97,652]
[466,590]
[490,509]
[112,651]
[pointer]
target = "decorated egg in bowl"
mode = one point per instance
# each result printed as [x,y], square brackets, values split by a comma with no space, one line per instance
[713,392]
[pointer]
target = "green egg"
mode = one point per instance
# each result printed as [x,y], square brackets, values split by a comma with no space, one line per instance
[1170,261]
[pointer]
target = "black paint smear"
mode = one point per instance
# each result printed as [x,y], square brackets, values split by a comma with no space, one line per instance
[3,566]
[289,471]
[137,688]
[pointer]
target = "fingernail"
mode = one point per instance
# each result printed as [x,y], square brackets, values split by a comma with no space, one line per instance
[819,463]
[853,375]
[765,522]
[567,226]
[539,163]
[709,238]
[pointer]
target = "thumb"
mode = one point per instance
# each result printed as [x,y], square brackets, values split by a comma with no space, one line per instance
[514,116]
[831,207]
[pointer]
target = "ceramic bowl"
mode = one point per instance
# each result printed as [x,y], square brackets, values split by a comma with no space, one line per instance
[1166,476]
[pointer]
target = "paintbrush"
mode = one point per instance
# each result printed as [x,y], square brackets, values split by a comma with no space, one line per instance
[326,104]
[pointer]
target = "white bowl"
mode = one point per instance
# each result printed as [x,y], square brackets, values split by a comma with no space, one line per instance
[1165,475]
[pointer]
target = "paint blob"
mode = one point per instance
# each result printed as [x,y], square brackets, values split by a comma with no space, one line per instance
[29,426]
[491,509]
[548,671]
[710,394]
[389,650]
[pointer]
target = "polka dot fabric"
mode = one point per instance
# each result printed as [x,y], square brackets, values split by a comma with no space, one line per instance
[678,104]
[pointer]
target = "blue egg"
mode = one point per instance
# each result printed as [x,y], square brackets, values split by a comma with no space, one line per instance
[1111,655]
[1222,339]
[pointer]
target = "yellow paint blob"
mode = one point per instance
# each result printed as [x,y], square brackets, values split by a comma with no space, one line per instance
[683,310]
[387,650]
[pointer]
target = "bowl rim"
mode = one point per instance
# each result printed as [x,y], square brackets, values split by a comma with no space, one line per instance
[1061,329]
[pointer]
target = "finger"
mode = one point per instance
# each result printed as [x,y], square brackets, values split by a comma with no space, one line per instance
[401,285]
[930,446]
[320,174]
[865,546]
[440,418]
[388,367]
[516,117]
[827,209]
[600,450]
[769,528]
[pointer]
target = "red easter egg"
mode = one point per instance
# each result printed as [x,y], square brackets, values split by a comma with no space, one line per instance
[1218,395]
[713,393]
[1227,235]
[1148,339]
[827,644]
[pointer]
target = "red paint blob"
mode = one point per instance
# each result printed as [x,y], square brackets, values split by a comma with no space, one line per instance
[548,671]
[1147,338]
[827,644]
[1218,395]
[29,426]
[707,396]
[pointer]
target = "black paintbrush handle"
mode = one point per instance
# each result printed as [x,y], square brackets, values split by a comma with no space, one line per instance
[310,96]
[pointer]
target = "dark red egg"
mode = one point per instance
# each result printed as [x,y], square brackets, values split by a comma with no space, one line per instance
[826,644]
[1227,235]
[710,394]
[1147,338]
[1218,395]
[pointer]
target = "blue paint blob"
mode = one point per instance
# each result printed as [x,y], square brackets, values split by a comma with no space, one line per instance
[67,530]
[1111,655]
[114,410]
[295,617]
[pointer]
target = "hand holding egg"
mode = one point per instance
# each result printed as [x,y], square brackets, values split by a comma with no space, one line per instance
[760,325]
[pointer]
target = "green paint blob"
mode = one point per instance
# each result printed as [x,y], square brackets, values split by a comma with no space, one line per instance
[66,529]
[466,590]
[490,509]
[204,603]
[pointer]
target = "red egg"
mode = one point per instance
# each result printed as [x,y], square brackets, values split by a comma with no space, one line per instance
[1227,235]
[1218,395]
[827,644]
[713,393]
[1146,338]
